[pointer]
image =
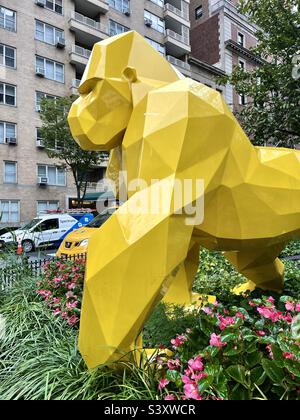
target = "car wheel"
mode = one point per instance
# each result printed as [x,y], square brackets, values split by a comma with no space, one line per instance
[27,246]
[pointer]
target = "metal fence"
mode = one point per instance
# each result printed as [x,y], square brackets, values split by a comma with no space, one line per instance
[10,274]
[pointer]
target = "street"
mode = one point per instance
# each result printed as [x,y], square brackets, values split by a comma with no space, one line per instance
[37,255]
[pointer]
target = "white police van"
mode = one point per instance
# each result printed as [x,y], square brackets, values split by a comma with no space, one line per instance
[47,229]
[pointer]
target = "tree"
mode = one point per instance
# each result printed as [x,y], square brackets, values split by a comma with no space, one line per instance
[272,115]
[59,143]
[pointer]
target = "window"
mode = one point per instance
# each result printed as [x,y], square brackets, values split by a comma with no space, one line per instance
[55,5]
[56,176]
[242,64]
[241,39]
[49,224]
[10,172]
[38,99]
[7,19]
[242,99]
[7,56]
[116,28]
[39,134]
[51,69]
[9,211]
[156,22]
[47,33]
[43,206]
[158,2]
[121,5]
[199,12]
[7,94]
[159,47]
[7,130]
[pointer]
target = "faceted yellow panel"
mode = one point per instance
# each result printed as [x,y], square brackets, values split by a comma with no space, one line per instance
[163,128]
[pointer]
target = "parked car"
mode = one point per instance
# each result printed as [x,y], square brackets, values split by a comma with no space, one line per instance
[45,230]
[8,229]
[76,242]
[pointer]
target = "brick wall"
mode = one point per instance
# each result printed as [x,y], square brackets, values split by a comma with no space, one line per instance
[205,41]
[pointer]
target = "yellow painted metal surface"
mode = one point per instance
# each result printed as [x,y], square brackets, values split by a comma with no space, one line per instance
[167,128]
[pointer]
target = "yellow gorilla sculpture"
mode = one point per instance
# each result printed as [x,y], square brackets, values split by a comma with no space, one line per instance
[165,127]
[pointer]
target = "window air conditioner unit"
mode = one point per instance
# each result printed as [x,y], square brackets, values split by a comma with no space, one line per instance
[60,43]
[11,140]
[40,72]
[40,144]
[41,3]
[42,180]
[148,22]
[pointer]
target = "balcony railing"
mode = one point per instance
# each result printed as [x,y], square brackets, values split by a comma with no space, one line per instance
[81,51]
[181,38]
[76,83]
[181,13]
[89,22]
[178,63]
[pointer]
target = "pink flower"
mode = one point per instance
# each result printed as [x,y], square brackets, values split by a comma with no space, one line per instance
[271,299]
[269,313]
[252,304]
[188,372]
[56,301]
[196,363]
[56,312]
[215,341]
[186,380]
[269,348]
[71,305]
[289,356]
[288,318]
[170,397]
[207,310]
[289,306]
[199,376]
[261,333]
[191,391]
[179,341]
[57,280]
[297,307]
[173,364]
[225,322]
[240,315]
[163,383]
[72,320]
[71,286]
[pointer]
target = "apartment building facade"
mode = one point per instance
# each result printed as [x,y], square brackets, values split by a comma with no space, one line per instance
[223,37]
[44,48]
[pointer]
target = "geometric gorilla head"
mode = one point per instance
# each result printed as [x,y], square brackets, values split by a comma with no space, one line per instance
[121,70]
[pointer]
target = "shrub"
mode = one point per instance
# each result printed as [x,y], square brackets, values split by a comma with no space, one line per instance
[40,360]
[250,351]
[61,288]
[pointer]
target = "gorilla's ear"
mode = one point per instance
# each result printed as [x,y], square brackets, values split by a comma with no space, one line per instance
[130,74]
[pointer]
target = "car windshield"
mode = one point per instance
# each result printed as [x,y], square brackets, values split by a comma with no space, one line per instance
[31,224]
[100,219]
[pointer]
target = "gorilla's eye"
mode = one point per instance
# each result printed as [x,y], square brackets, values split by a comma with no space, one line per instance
[88,86]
